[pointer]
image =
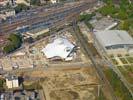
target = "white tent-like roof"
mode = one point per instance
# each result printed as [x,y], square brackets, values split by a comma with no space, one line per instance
[60,47]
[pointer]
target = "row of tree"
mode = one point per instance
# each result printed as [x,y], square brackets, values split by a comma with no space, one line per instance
[86,17]
[21,7]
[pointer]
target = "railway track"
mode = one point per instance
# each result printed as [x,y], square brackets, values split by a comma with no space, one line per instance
[85,46]
[45,16]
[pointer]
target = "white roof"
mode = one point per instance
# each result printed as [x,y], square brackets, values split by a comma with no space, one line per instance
[113,37]
[103,24]
[60,47]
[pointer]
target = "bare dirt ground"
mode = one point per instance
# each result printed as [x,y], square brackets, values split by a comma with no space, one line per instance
[68,84]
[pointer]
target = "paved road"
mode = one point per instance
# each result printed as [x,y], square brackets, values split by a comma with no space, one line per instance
[62,66]
[84,45]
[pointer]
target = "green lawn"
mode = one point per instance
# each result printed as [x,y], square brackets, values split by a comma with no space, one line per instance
[123,60]
[130,59]
[35,85]
[114,61]
[128,73]
[2,84]
[101,96]
[119,89]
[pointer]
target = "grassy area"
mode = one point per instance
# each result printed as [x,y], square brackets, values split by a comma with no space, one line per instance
[123,60]
[35,85]
[130,59]
[114,61]
[128,73]
[89,25]
[111,56]
[101,96]
[86,17]
[15,41]
[129,68]
[119,89]
[2,81]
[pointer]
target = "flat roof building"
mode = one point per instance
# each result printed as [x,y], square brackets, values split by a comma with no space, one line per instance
[103,24]
[114,41]
[12,81]
[53,1]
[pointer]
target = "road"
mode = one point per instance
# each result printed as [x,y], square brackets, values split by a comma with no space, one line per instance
[62,66]
[85,46]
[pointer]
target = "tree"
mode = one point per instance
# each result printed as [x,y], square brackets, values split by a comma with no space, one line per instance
[86,17]
[15,42]
[108,10]
[124,25]
[1,84]
[122,15]
[35,2]
[20,7]
[109,2]
[15,39]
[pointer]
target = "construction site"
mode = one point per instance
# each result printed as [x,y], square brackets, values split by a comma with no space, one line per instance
[67,83]
[32,56]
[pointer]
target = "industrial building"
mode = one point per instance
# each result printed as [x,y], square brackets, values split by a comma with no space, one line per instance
[103,24]
[113,42]
[59,48]
[35,32]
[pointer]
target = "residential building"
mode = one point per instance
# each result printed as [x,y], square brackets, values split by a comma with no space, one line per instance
[4,14]
[12,81]
[3,2]
[10,13]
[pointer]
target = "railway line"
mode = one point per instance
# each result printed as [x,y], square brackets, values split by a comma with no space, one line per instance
[43,16]
[105,83]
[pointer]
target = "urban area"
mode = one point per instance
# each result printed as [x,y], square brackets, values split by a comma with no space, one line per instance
[66,49]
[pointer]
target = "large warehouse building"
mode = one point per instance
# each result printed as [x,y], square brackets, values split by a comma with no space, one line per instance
[114,42]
